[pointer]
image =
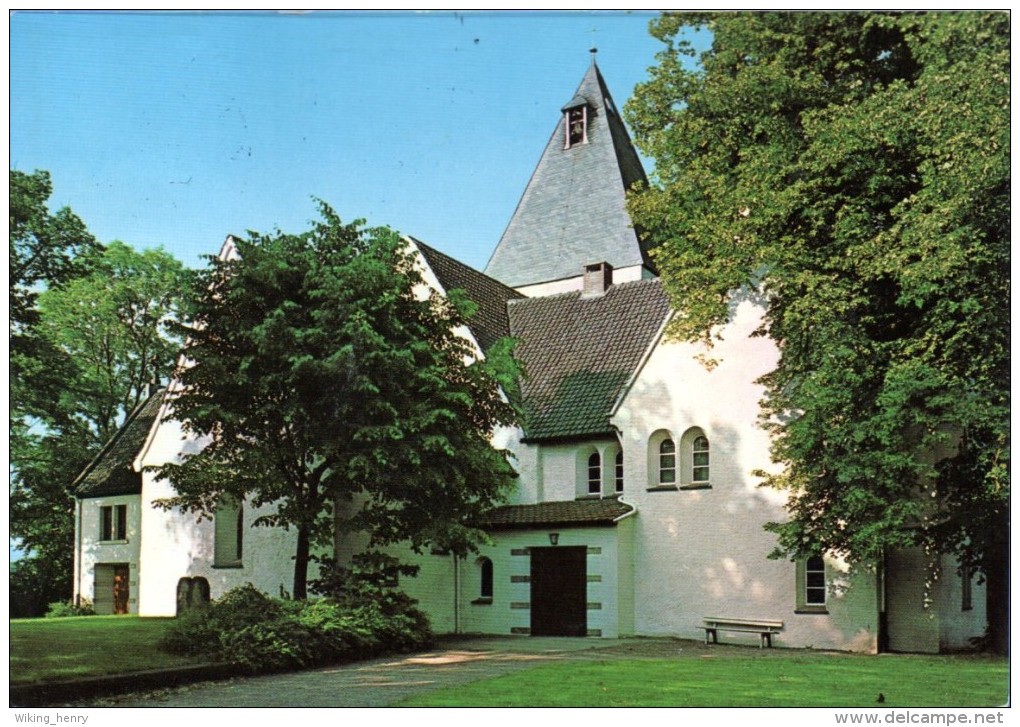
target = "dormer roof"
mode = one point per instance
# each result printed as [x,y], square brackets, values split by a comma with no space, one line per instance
[112,471]
[573,211]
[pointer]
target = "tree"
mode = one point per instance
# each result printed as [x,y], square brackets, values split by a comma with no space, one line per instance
[855,168]
[104,335]
[46,250]
[112,324]
[319,375]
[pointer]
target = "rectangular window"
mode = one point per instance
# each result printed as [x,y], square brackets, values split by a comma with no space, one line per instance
[619,471]
[812,588]
[966,584]
[228,534]
[113,522]
[576,121]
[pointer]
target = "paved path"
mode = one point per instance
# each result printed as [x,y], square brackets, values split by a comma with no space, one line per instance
[383,682]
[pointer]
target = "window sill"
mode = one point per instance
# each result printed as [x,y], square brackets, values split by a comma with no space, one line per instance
[696,486]
[662,488]
[482,602]
[809,610]
[595,496]
[114,542]
[218,566]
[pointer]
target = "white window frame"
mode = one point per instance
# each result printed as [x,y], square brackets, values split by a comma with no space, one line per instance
[663,467]
[696,450]
[117,521]
[809,590]
[594,478]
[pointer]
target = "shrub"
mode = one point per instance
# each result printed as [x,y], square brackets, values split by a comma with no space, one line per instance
[280,643]
[192,634]
[263,634]
[63,609]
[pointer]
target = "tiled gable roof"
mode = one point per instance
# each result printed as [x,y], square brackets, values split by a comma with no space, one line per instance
[490,322]
[578,354]
[573,211]
[111,472]
[551,514]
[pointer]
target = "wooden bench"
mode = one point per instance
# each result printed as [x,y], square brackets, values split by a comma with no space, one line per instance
[765,629]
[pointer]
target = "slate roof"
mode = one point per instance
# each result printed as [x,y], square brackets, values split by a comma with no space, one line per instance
[111,472]
[573,210]
[579,353]
[553,514]
[490,322]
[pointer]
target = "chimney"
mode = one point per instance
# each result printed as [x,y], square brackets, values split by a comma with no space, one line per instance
[597,279]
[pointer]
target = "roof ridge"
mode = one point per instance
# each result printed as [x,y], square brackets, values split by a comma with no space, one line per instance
[515,294]
[132,416]
[555,296]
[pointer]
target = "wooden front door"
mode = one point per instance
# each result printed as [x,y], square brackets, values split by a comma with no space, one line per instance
[121,588]
[559,588]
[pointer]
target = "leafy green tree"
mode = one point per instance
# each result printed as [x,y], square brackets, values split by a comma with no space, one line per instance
[105,335]
[46,250]
[320,376]
[855,168]
[112,324]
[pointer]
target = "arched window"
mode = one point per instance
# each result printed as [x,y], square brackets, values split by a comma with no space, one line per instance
[814,581]
[694,459]
[485,577]
[594,474]
[662,461]
[667,462]
[618,472]
[699,459]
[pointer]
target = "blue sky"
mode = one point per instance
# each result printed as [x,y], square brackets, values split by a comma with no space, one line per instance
[174,130]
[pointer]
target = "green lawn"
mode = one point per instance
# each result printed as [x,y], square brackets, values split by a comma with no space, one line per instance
[797,680]
[63,648]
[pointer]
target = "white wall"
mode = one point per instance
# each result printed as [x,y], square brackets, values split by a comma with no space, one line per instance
[92,551]
[703,552]
[959,626]
[509,611]
[568,285]
[176,545]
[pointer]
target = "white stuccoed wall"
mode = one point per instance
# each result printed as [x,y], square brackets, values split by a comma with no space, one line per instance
[609,589]
[92,551]
[703,552]
[959,626]
[568,285]
[177,545]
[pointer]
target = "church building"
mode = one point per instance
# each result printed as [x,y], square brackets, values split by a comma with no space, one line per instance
[636,511]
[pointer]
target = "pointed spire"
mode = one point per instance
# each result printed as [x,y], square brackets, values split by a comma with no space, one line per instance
[573,211]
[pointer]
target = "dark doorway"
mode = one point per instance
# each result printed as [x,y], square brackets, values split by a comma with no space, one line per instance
[559,585]
[121,589]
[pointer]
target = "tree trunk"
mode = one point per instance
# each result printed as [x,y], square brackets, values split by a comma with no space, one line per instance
[301,564]
[997,592]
